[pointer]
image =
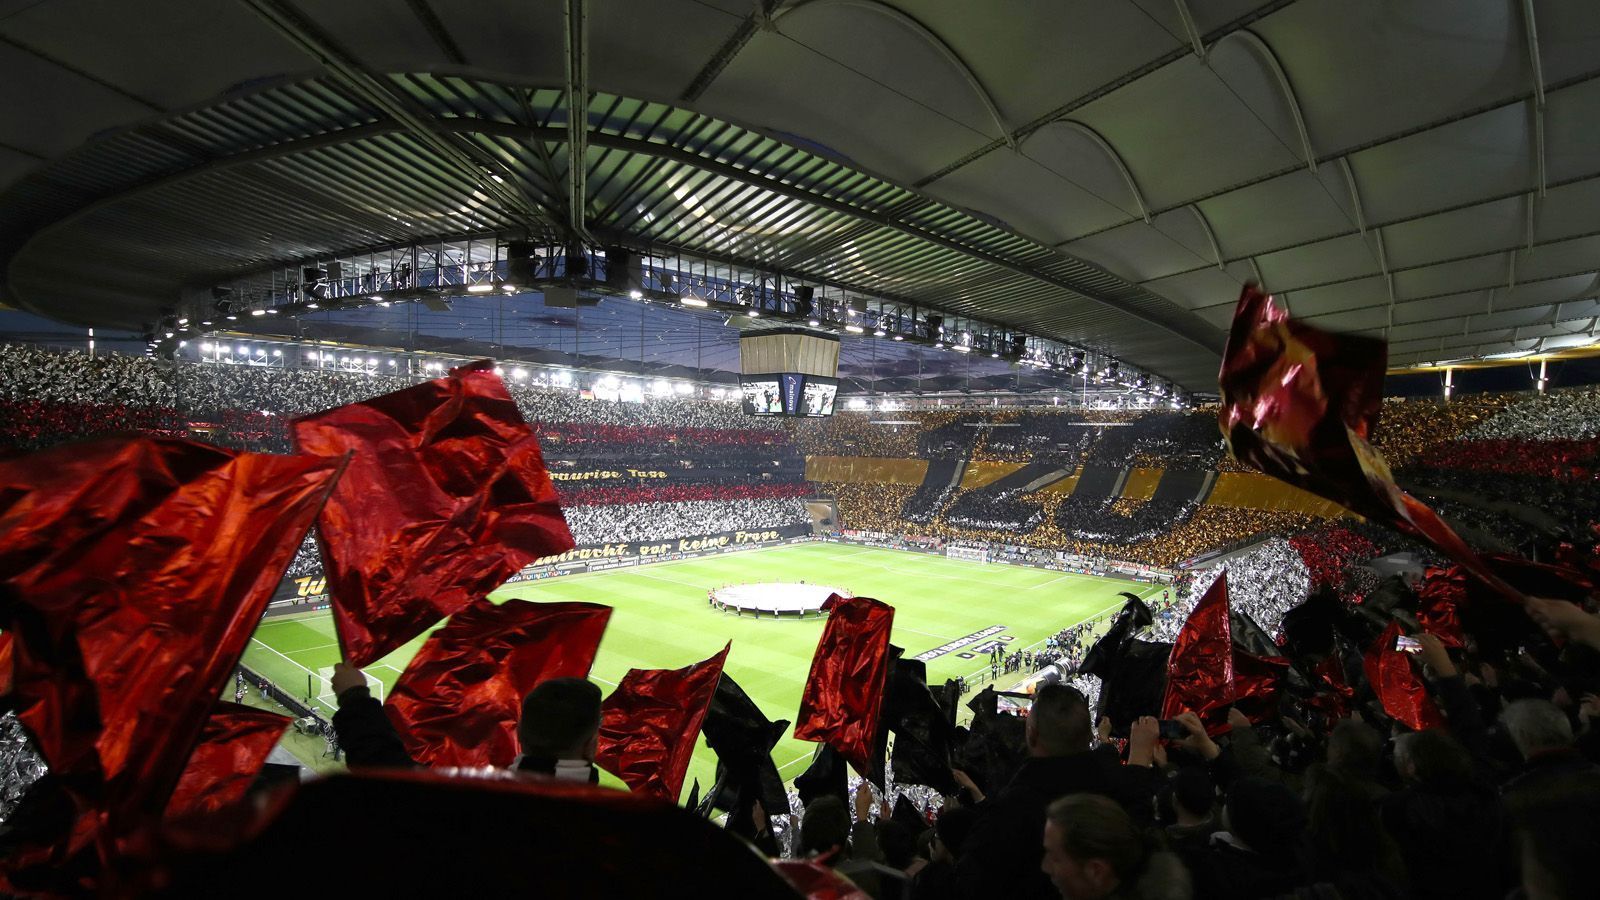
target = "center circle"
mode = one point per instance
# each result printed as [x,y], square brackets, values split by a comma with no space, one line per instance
[776,598]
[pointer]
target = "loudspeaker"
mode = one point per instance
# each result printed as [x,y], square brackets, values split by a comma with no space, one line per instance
[522,262]
[624,270]
[803,299]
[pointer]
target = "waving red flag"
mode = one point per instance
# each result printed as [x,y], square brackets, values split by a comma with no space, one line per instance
[457,703]
[1299,404]
[1439,600]
[1397,685]
[132,573]
[649,724]
[843,696]
[446,497]
[234,743]
[1200,669]
[5,664]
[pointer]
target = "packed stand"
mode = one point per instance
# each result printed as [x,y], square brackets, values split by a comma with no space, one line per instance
[665,521]
[1264,583]
[1160,440]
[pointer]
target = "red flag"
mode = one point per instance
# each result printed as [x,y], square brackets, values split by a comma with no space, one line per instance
[132,573]
[1332,694]
[649,724]
[843,696]
[1439,600]
[457,703]
[1299,403]
[446,497]
[1397,685]
[5,664]
[233,745]
[1200,668]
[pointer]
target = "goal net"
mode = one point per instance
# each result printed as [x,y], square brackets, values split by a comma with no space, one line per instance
[973,554]
[322,688]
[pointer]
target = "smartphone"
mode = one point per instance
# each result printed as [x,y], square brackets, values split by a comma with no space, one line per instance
[1173,730]
[1406,644]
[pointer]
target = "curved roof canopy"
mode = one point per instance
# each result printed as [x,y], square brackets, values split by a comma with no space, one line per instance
[1104,173]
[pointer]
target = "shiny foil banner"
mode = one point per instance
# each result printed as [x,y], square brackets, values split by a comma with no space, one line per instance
[132,573]
[1399,688]
[457,703]
[1200,669]
[234,743]
[843,696]
[650,723]
[1300,404]
[446,497]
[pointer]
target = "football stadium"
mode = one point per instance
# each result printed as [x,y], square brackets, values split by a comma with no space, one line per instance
[858,449]
[663,618]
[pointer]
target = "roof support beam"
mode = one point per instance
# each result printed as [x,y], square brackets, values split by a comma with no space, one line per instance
[1189,28]
[304,34]
[928,36]
[576,19]
[1269,59]
[1216,249]
[1116,160]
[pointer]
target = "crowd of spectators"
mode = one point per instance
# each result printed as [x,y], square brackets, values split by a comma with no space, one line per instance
[1104,520]
[995,508]
[572,496]
[1330,553]
[1264,582]
[1160,439]
[1563,460]
[665,521]
[1564,415]
[577,436]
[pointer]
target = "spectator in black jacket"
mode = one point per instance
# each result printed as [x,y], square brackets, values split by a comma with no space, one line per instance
[1447,821]
[1094,851]
[1260,854]
[1003,852]
[1543,736]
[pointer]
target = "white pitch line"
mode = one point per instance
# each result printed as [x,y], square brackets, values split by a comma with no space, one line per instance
[793,761]
[309,649]
[692,584]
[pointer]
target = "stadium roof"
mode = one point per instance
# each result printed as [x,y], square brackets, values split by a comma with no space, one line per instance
[1105,172]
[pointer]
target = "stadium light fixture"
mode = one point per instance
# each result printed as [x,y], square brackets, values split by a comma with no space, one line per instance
[479,288]
[391,362]
[519,374]
[636,295]
[852,328]
[509,288]
[258,312]
[183,321]
[169,334]
[206,347]
[232,318]
[693,301]
[816,323]
[899,337]
[879,332]
[372,360]
[277,353]
[754,313]
[312,304]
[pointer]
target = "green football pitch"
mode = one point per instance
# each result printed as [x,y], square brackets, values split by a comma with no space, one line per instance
[661,620]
